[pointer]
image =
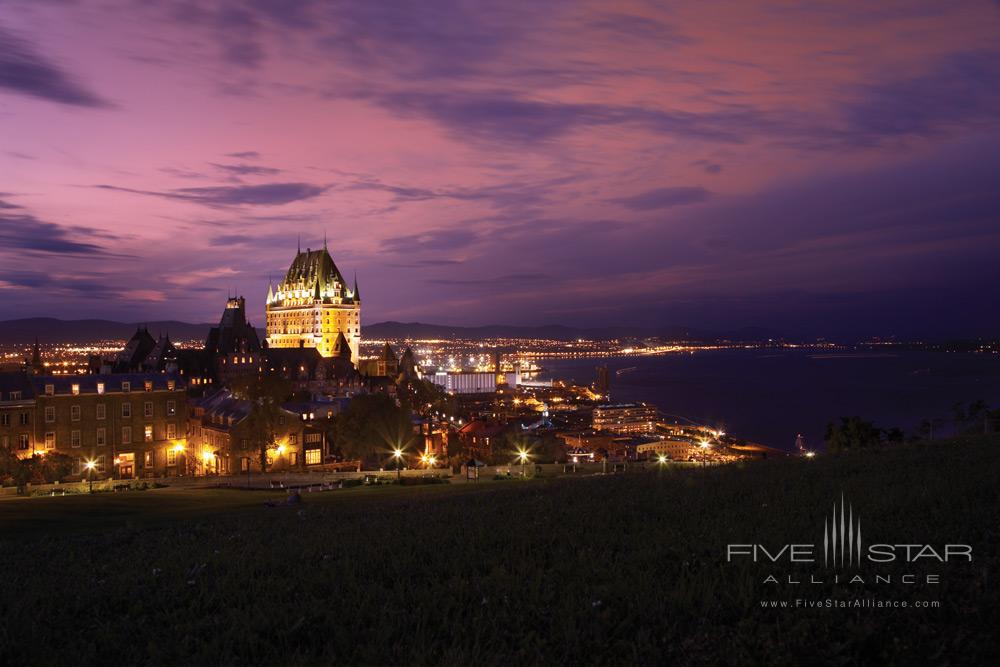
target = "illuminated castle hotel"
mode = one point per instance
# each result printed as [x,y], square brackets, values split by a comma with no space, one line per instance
[313,307]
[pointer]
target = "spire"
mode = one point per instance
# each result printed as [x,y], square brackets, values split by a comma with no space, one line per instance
[387,353]
[341,348]
[298,245]
[270,292]
[355,294]
[318,295]
[324,239]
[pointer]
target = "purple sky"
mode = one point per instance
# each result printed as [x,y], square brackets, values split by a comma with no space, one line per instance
[820,168]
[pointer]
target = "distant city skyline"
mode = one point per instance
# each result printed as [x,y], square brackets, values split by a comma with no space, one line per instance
[828,169]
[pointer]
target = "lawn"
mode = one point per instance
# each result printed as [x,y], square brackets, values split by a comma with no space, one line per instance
[624,569]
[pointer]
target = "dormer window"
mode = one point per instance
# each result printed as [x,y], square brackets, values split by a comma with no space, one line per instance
[50,390]
[100,387]
[126,387]
[149,385]
[76,389]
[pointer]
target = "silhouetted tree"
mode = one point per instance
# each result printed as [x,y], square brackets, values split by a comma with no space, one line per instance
[851,433]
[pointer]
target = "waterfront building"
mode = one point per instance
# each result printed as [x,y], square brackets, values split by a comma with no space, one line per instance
[313,307]
[625,418]
[473,382]
[675,450]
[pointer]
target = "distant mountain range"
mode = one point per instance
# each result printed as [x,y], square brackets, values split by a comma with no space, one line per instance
[52,330]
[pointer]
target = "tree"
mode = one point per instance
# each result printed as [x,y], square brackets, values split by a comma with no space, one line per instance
[894,435]
[371,427]
[266,394]
[851,433]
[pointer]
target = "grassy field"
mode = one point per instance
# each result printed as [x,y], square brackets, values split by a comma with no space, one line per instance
[620,569]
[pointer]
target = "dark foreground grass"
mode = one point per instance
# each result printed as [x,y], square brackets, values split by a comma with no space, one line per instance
[618,569]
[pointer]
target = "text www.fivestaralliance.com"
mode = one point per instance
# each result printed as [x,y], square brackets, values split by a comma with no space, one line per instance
[856,603]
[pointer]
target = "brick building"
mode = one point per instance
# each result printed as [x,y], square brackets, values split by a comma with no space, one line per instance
[131,425]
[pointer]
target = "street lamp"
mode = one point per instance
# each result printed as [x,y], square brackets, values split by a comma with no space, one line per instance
[90,465]
[522,456]
[398,455]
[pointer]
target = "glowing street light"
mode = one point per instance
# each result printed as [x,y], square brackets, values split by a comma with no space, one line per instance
[90,465]
[522,456]
[809,455]
[398,455]
[662,459]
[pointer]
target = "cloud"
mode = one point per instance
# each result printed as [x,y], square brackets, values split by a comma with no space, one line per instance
[23,231]
[268,194]
[27,72]
[505,280]
[435,240]
[506,116]
[246,169]
[243,53]
[664,198]
[959,88]
[244,155]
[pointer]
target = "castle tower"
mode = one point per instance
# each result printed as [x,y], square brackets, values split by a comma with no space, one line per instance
[312,306]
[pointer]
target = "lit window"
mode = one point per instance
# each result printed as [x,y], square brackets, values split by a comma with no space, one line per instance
[76,389]
[171,431]
[148,433]
[171,457]
[313,457]
[171,408]
[149,385]
[171,384]
[50,440]
[147,461]
[100,387]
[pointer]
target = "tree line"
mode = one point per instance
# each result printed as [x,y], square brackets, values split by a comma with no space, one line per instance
[966,419]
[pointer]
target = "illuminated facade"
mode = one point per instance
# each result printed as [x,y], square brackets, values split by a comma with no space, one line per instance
[625,418]
[313,307]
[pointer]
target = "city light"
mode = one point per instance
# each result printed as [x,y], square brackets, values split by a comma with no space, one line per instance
[662,459]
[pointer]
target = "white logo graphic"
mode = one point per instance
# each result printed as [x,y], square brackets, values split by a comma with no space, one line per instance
[842,537]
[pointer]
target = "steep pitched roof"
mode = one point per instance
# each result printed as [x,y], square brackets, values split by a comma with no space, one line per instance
[387,354]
